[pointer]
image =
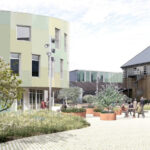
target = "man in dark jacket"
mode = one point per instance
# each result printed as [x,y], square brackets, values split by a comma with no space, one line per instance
[142,106]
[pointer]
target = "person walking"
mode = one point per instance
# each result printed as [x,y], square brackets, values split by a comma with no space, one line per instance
[142,106]
[134,107]
[139,109]
[131,108]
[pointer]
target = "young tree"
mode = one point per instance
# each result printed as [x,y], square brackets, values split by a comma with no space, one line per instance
[110,97]
[10,89]
[90,99]
[69,93]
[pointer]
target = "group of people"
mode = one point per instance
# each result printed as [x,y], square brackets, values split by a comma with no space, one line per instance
[134,107]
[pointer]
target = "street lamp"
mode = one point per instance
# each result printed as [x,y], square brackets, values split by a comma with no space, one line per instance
[97,82]
[49,54]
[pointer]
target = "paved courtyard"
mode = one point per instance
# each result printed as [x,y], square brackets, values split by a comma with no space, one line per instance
[122,134]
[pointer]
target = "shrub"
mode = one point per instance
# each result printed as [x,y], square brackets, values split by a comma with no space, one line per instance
[116,108]
[74,110]
[89,99]
[90,106]
[18,125]
[97,110]
[104,111]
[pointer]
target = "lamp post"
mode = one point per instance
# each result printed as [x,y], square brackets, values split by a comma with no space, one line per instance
[97,82]
[49,54]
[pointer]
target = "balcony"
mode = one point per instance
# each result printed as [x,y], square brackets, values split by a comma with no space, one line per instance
[135,73]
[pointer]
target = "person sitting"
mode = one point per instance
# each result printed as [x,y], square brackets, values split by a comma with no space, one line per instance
[64,106]
[124,109]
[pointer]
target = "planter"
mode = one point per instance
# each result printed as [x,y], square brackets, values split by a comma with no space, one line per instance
[108,116]
[97,114]
[89,111]
[80,114]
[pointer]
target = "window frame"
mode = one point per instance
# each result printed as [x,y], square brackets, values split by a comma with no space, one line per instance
[18,25]
[65,42]
[19,58]
[39,60]
[58,42]
[61,68]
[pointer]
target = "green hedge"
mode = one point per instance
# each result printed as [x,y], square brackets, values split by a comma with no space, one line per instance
[97,110]
[107,112]
[75,110]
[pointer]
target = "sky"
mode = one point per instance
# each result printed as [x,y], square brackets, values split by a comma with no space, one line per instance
[104,34]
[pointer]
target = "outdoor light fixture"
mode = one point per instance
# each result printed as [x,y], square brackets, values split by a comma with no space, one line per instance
[46,45]
[49,53]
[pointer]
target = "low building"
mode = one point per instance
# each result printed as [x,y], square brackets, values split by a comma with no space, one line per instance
[136,75]
[90,88]
[23,38]
[93,76]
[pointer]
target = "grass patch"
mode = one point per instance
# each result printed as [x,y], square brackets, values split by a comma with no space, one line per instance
[19,125]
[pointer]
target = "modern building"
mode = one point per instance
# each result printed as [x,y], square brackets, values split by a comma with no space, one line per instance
[93,76]
[92,87]
[22,44]
[136,75]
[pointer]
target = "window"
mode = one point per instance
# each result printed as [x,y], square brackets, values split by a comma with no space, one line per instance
[36,96]
[145,69]
[52,66]
[78,77]
[23,33]
[14,62]
[57,38]
[35,65]
[101,79]
[61,68]
[92,77]
[65,42]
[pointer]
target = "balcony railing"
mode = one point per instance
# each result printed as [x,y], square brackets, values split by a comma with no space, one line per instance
[135,73]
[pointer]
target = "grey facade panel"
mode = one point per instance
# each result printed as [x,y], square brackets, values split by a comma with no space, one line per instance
[73,76]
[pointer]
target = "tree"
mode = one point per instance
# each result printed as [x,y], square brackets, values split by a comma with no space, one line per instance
[10,89]
[89,99]
[110,97]
[69,93]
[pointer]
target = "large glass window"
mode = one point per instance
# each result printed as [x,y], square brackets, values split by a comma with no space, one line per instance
[14,62]
[61,68]
[57,38]
[101,79]
[35,65]
[36,96]
[65,42]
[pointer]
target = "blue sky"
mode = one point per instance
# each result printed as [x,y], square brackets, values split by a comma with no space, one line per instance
[104,34]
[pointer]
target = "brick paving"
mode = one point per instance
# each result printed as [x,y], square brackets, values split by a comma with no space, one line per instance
[122,134]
